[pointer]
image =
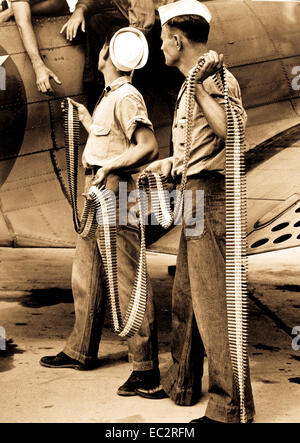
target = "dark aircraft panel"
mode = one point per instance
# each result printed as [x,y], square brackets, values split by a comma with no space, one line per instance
[13,117]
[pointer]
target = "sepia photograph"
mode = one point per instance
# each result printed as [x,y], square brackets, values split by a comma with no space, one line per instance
[150,214]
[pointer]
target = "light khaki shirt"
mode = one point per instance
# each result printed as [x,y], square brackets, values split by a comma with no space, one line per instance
[207,149]
[118,113]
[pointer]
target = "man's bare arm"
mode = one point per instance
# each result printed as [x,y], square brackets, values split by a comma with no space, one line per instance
[45,8]
[214,113]
[43,74]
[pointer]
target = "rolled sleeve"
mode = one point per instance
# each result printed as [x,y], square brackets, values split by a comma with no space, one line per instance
[141,14]
[131,112]
[234,94]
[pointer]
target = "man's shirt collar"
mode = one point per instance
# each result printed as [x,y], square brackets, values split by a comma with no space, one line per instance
[117,83]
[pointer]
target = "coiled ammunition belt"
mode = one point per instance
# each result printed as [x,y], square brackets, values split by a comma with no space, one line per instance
[156,185]
[99,214]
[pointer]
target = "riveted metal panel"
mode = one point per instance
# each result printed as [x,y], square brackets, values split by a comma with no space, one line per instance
[281,232]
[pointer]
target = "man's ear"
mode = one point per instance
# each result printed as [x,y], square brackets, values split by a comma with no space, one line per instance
[178,41]
[105,51]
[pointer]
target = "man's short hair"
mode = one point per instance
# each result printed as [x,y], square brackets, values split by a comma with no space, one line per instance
[111,32]
[109,35]
[194,27]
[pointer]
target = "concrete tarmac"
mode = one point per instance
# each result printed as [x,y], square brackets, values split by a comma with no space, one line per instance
[37,322]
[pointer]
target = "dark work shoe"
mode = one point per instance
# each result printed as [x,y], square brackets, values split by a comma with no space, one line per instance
[140,379]
[154,394]
[62,360]
[209,420]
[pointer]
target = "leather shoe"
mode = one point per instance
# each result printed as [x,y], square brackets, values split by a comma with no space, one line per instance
[62,360]
[139,379]
[155,394]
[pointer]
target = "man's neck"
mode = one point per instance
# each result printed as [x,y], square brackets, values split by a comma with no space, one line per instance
[110,74]
[109,79]
[190,57]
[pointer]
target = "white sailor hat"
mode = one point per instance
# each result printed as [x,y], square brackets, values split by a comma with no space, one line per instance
[183,7]
[129,49]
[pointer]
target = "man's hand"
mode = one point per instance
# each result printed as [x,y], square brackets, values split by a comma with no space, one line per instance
[43,76]
[83,114]
[163,166]
[72,25]
[100,176]
[212,63]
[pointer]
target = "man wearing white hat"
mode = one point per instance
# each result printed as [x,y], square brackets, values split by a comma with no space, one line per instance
[120,139]
[199,313]
[96,18]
